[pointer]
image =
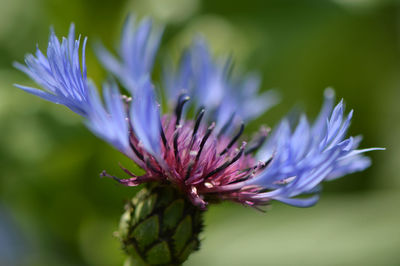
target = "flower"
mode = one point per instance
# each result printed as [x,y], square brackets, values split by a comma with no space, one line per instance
[60,74]
[200,155]
[137,51]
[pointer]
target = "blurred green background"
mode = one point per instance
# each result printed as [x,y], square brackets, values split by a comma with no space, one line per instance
[54,208]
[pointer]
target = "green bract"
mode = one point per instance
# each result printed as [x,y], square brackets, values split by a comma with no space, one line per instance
[159,227]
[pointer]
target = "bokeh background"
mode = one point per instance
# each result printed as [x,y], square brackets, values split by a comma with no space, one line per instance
[54,208]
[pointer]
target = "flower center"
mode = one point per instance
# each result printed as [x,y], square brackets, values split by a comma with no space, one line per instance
[200,160]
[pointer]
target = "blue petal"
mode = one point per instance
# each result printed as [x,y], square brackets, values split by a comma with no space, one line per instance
[138,48]
[354,161]
[145,118]
[210,84]
[109,123]
[301,203]
[61,75]
[178,81]
[309,155]
[319,124]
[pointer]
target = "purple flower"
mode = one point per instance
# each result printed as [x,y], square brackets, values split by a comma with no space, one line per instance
[199,155]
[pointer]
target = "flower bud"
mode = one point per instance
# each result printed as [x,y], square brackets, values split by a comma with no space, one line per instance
[159,227]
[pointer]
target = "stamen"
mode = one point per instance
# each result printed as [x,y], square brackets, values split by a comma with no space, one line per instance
[152,168]
[130,182]
[250,172]
[176,151]
[189,170]
[138,154]
[126,101]
[163,138]
[258,208]
[228,163]
[127,171]
[105,174]
[199,117]
[183,98]
[266,163]
[235,138]
[240,179]
[258,142]
[203,141]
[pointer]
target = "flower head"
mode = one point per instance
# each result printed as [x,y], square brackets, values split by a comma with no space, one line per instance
[201,155]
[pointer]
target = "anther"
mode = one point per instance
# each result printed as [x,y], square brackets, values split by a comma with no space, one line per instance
[266,163]
[203,141]
[138,154]
[183,98]
[189,170]
[163,138]
[199,117]
[152,168]
[228,163]
[126,98]
[176,151]
[234,139]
